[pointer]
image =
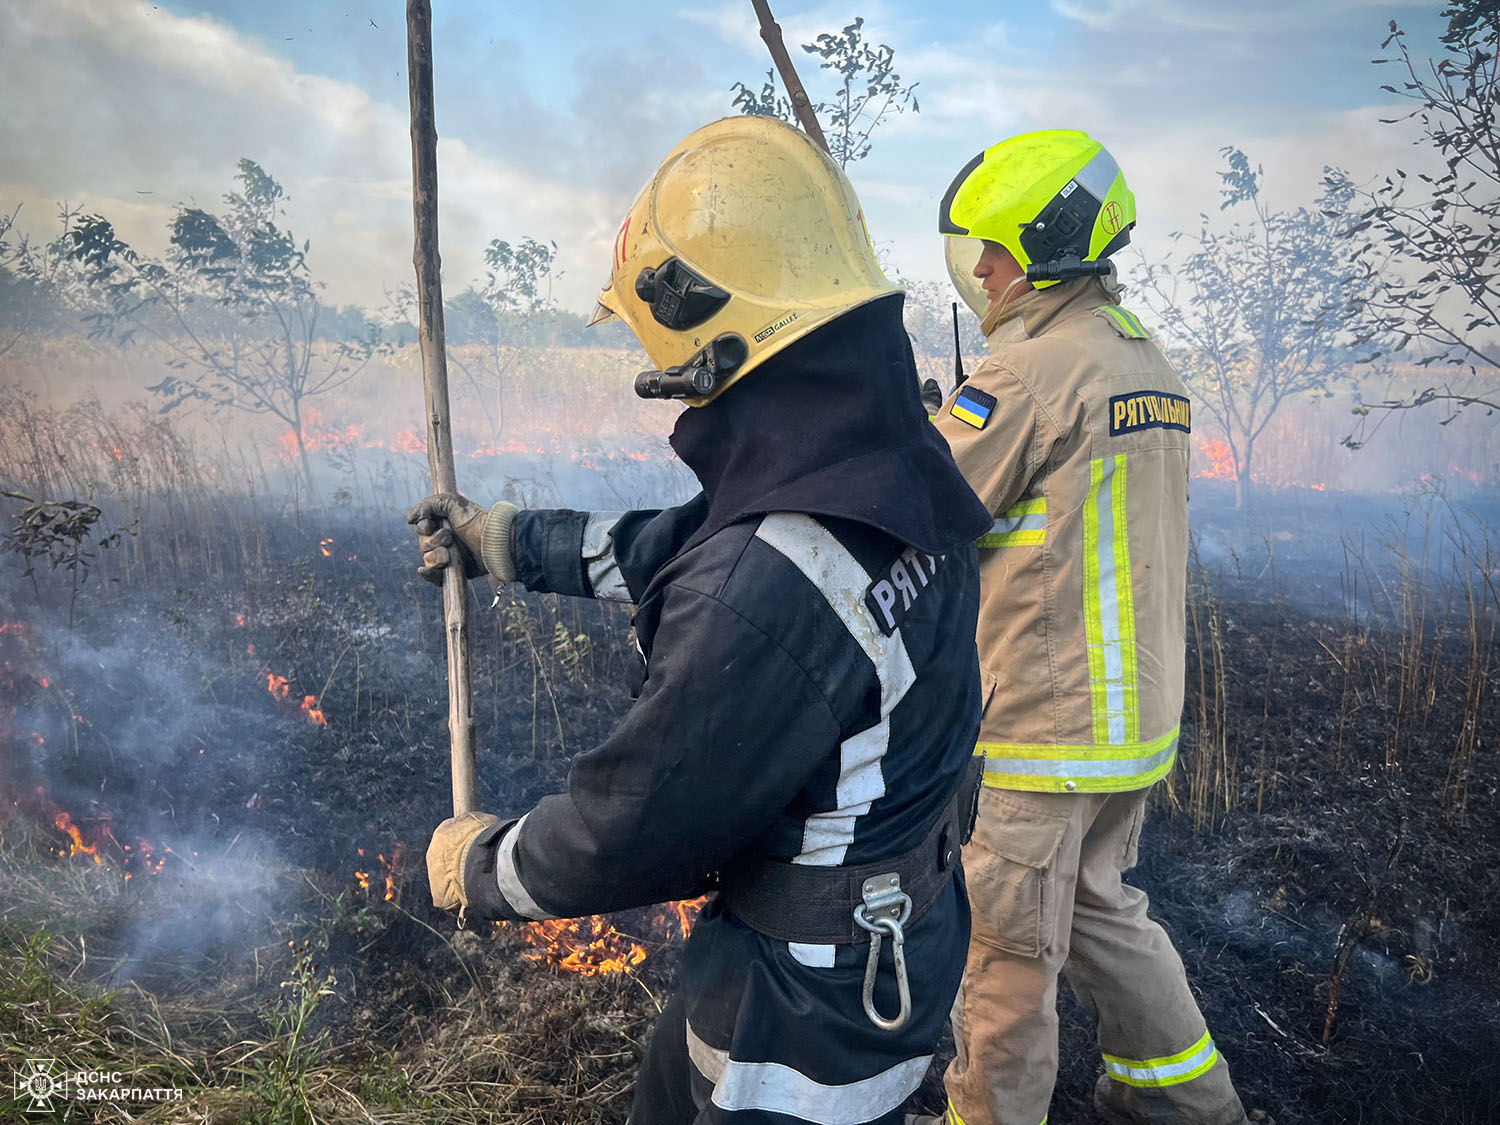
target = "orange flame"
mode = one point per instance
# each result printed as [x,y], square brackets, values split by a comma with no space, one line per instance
[594,947]
[1473,476]
[65,823]
[326,546]
[277,686]
[588,946]
[686,911]
[393,869]
[314,716]
[409,441]
[1215,461]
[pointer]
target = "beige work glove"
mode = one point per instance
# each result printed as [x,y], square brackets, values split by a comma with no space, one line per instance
[449,523]
[448,853]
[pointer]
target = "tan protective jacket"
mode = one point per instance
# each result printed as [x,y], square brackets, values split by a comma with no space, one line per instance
[1075,434]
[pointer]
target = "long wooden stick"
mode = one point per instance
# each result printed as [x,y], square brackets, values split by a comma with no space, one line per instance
[770,31]
[435,384]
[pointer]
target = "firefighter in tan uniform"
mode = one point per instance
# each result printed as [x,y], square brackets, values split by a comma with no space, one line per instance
[1075,434]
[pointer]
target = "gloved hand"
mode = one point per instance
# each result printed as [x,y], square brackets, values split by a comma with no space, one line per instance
[449,852]
[480,537]
[932,396]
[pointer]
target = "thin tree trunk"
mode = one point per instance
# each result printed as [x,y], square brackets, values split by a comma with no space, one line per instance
[307,474]
[432,338]
[1244,483]
[770,32]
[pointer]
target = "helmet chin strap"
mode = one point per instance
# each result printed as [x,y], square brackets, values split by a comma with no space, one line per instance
[996,311]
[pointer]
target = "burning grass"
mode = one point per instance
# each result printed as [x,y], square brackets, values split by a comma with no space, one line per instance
[335,1006]
[217,783]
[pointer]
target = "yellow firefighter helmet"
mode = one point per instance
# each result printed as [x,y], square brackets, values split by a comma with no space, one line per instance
[1055,199]
[747,238]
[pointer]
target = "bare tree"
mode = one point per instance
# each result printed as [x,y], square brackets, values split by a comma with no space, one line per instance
[500,315]
[234,303]
[868,89]
[1442,233]
[1262,311]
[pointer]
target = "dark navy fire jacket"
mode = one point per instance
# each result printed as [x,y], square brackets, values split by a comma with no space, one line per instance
[785,714]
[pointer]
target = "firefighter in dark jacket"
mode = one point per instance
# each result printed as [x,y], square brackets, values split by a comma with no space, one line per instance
[812,693]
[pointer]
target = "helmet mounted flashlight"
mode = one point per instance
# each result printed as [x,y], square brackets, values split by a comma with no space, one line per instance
[700,376]
[1066,269]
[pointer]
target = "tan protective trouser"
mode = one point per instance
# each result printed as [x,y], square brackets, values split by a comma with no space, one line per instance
[1043,872]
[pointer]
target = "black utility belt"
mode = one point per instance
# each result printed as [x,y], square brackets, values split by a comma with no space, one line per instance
[819,905]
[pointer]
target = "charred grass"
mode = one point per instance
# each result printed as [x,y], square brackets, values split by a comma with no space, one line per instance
[242,916]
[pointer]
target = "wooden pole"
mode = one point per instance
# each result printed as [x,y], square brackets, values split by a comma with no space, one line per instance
[770,31]
[435,384]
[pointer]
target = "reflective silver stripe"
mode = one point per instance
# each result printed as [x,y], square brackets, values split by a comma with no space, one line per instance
[827,835]
[1098,175]
[604,574]
[509,881]
[813,956]
[1109,605]
[828,565]
[1080,766]
[778,1088]
[1003,525]
[1169,1071]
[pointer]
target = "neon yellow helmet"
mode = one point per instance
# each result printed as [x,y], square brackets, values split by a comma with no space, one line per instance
[1044,196]
[746,239]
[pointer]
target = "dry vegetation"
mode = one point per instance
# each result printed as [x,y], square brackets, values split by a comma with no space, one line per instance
[1326,854]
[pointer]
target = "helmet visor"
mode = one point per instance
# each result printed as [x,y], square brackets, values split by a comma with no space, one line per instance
[962,255]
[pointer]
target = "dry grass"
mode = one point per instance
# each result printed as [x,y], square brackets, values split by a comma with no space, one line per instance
[271,1035]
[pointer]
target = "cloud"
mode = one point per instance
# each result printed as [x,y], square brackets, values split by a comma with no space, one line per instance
[1278,17]
[167,104]
[107,99]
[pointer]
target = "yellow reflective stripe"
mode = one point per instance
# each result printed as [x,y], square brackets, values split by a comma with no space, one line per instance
[1021,525]
[1173,1070]
[952,1117]
[1125,598]
[1032,538]
[1092,617]
[1129,323]
[1108,605]
[1092,768]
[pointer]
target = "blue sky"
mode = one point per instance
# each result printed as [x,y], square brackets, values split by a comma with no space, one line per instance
[552,114]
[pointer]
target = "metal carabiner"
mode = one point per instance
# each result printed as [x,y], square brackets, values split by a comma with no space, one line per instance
[885,909]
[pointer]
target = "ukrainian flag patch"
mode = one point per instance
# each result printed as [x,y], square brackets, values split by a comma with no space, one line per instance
[973,406]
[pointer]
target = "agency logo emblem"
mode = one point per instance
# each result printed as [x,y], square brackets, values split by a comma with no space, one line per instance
[39,1083]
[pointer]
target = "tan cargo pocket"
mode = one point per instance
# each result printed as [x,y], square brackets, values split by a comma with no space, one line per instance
[1008,869]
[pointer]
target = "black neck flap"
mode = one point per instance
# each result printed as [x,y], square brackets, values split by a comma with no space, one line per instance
[833,426]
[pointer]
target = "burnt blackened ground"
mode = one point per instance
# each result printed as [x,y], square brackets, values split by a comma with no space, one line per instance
[1322,840]
[1322,740]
